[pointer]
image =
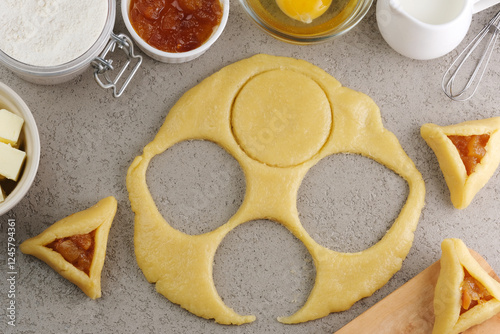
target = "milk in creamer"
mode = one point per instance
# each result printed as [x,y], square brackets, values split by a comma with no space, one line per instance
[432,11]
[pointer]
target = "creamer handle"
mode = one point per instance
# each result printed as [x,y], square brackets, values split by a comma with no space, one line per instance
[480,5]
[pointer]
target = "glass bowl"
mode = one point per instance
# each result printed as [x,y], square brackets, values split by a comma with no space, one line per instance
[341,17]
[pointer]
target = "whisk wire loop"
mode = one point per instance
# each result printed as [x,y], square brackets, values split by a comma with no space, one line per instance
[470,87]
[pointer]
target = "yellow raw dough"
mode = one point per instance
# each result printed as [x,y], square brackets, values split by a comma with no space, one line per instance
[463,188]
[98,217]
[448,296]
[301,118]
[181,264]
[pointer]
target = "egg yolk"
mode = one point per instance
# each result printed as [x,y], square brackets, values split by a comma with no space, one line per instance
[304,10]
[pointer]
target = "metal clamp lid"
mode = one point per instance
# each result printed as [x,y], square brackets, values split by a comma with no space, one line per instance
[103,66]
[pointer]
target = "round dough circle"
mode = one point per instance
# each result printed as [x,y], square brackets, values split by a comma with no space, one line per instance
[278,110]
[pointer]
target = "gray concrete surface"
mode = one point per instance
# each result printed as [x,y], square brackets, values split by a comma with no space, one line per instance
[346,202]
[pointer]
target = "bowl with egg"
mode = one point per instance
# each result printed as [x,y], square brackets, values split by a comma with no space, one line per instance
[51,42]
[306,21]
[175,31]
[19,149]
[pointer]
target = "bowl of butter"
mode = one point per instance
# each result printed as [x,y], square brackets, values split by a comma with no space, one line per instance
[306,21]
[19,149]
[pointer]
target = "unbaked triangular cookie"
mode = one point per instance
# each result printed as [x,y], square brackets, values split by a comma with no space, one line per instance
[464,182]
[75,246]
[465,295]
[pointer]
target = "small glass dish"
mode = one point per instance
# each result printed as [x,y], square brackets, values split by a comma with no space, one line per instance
[30,143]
[174,57]
[341,16]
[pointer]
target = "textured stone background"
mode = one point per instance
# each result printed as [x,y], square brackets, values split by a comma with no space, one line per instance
[346,202]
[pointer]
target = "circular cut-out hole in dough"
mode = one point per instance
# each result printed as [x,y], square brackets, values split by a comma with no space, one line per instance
[260,268]
[281,118]
[196,185]
[347,202]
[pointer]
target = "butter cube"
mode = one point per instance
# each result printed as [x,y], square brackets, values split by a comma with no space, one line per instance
[10,127]
[2,195]
[11,161]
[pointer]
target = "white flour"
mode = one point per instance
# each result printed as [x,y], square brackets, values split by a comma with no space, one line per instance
[50,32]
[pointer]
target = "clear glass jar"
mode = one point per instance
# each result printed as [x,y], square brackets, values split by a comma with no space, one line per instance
[52,75]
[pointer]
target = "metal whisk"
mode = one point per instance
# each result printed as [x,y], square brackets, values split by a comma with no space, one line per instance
[470,87]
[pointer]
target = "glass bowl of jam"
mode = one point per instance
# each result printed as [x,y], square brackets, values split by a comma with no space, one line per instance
[306,22]
[175,31]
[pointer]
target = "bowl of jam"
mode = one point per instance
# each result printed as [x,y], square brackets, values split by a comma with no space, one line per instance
[306,22]
[175,31]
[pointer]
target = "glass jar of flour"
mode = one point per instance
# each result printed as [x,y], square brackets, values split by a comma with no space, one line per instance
[49,42]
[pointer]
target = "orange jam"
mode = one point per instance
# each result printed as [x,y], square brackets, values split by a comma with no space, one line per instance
[175,25]
[77,250]
[471,149]
[473,293]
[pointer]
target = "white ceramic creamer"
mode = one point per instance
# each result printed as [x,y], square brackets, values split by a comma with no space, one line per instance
[426,29]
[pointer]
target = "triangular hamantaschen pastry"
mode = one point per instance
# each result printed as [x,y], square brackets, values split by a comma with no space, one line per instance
[468,154]
[465,294]
[75,246]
